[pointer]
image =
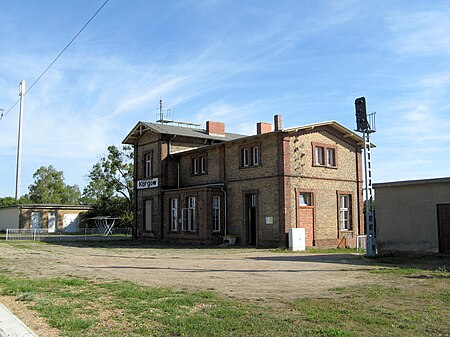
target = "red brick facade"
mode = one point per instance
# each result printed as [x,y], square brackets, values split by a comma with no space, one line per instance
[252,187]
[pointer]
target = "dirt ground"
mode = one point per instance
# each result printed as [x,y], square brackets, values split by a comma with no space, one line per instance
[251,274]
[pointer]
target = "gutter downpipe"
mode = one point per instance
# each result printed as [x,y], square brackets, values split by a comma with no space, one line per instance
[225,214]
[178,163]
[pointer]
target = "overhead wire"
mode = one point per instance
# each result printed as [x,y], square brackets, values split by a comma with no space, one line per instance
[56,58]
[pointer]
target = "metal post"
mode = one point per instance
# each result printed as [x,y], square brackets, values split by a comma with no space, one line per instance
[370,220]
[19,145]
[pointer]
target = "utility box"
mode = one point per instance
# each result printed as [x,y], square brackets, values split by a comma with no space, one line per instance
[297,239]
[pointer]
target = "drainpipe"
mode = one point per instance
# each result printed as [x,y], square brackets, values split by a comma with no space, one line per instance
[178,163]
[225,205]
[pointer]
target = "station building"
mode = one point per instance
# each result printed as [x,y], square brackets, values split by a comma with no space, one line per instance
[196,185]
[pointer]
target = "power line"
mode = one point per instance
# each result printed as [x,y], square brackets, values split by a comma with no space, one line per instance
[56,58]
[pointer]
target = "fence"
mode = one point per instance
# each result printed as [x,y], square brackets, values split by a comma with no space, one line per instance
[83,234]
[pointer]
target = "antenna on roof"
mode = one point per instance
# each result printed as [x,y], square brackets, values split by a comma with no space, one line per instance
[168,120]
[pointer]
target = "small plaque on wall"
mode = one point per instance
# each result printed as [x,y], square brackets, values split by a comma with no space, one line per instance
[269,220]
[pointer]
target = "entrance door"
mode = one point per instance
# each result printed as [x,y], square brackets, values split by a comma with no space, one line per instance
[36,218]
[51,222]
[251,218]
[443,212]
[70,223]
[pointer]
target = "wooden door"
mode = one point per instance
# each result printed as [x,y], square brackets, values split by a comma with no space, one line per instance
[443,212]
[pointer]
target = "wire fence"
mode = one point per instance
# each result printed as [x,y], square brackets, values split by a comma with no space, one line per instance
[361,243]
[60,235]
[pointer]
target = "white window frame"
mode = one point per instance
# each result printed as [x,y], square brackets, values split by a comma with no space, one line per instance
[305,199]
[255,153]
[245,157]
[331,156]
[190,223]
[195,166]
[148,165]
[216,213]
[345,220]
[174,214]
[203,164]
[320,155]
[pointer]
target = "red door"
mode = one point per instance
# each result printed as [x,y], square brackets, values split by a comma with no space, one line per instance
[443,212]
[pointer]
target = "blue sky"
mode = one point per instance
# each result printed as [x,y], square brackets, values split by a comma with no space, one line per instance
[239,62]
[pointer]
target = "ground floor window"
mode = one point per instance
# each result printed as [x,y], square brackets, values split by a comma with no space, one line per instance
[345,221]
[174,214]
[216,214]
[148,215]
[305,199]
[190,222]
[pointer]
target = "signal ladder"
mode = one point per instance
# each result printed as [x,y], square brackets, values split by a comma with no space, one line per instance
[370,214]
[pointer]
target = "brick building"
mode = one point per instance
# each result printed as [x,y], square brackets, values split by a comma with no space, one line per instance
[194,185]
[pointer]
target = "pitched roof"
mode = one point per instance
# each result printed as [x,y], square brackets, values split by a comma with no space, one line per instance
[142,127]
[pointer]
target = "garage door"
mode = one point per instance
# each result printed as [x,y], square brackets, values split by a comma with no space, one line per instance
[444,227]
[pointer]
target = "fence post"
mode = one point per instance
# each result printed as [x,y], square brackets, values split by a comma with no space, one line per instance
[7,232]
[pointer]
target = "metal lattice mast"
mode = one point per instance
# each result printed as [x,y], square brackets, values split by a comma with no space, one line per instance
[363,125]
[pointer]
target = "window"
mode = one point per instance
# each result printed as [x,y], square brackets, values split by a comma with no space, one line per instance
[202,165]
[345,221]
[199,165]
[148,215]
[320,158]
[305,199]
[216,214]
[324,155]
[250,156]
[174,214]
[255,153]
[331,156]
[189,224]
[148,165]
[245,157]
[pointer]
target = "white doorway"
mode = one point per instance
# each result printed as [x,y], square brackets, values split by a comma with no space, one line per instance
[36,218]
[70,223]
[52,222]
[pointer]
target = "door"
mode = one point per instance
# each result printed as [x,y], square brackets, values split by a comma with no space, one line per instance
[443,212]
[36,218]
[251,218]
[51,222]
[70,223]
[148,215]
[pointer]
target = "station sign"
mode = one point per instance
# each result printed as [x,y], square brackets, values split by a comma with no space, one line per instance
[147,183]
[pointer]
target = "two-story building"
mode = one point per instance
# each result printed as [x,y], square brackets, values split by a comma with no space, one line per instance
[197,185]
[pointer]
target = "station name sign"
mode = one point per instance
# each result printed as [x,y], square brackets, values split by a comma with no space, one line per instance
[147,183]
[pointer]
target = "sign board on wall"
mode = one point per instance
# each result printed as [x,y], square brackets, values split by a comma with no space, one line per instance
[147,183]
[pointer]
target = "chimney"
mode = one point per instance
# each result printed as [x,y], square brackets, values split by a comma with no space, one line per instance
[215,128]
[262,127]
[277,122]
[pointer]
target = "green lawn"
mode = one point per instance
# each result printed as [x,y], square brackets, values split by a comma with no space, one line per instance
[397,307]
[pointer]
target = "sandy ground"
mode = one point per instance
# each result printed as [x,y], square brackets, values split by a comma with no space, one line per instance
[252,274]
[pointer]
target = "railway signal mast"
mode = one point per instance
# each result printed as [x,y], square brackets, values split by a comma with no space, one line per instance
[366,124]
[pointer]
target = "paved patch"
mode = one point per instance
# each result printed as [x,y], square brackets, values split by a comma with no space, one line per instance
[11,326]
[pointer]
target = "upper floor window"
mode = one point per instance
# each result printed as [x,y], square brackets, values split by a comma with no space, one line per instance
[148,163]
[199,165]
[250,156]
[324,155]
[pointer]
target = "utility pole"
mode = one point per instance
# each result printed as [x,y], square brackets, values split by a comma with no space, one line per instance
[19,141]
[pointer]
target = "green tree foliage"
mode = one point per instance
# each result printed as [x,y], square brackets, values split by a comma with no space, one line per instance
[110,187]
[8,201]
[49,188]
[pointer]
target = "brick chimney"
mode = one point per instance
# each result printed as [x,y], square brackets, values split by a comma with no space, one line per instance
[277,122]
[215,128]
[262,127]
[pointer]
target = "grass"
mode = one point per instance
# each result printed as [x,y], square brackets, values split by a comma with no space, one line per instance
[78,307]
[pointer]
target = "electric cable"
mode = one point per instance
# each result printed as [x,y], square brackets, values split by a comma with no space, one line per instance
[55,59]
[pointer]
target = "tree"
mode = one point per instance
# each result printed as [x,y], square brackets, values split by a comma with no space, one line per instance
[110,187]
[49,188]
